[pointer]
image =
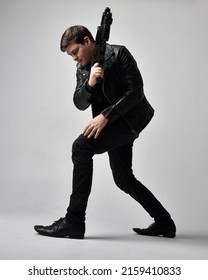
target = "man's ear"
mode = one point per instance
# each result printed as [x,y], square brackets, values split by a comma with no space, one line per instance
[87,40]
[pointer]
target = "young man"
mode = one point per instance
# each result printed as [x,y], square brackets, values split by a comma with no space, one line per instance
[120,112]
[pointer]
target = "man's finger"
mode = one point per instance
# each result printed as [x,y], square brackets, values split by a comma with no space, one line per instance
[97,133]
[96,64]
[91,132]
[87,130]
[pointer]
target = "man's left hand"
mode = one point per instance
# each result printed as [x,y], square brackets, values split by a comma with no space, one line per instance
[95,126]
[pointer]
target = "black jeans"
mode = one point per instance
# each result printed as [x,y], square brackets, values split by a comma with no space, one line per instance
[118,142]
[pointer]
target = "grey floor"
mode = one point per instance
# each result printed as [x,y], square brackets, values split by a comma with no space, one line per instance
[19,241]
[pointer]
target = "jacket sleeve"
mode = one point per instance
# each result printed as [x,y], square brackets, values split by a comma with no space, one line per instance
[132,84]
[83,92]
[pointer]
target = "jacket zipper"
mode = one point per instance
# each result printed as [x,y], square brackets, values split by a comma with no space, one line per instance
[125,119]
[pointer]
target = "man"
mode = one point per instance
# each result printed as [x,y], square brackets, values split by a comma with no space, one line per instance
[120,112]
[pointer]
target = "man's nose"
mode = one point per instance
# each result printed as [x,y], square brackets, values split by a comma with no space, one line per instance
[75,57]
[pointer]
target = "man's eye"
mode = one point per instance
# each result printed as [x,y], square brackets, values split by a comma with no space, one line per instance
[75,52]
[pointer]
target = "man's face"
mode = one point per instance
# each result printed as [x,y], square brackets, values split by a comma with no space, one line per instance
[81,53]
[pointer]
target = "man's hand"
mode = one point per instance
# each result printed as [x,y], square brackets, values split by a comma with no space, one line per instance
[96,72]
[95,126]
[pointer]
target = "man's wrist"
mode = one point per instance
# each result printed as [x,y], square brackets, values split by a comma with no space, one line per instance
[91,84]
[89,87]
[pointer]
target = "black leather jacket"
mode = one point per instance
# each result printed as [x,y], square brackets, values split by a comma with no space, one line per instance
[122,87]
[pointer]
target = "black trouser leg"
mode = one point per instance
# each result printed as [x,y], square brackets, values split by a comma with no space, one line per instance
[121,165]
[83,150]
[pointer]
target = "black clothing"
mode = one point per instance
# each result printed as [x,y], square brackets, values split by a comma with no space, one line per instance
[122,89]
[119,146]
[121,100]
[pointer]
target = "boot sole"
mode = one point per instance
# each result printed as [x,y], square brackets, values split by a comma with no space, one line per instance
[167,235]
[71,236]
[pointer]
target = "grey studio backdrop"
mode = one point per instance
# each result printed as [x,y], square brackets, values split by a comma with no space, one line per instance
[39,121]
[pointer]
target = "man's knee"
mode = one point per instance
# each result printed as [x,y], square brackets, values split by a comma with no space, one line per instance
[81,148]
[122,184]
[77,145]
[125,181]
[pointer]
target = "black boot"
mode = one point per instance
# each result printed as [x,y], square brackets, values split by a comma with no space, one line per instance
[63,228]
[167,229]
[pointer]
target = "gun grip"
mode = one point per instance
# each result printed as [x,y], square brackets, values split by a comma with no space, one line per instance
[99,80]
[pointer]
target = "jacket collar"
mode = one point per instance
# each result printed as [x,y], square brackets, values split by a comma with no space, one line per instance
[109,53]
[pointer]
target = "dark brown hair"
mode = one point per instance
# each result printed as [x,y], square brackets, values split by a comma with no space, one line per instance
[76,34]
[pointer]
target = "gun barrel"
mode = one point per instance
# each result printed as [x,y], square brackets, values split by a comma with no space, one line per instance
[102,36]
[107,17]
[103,30]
